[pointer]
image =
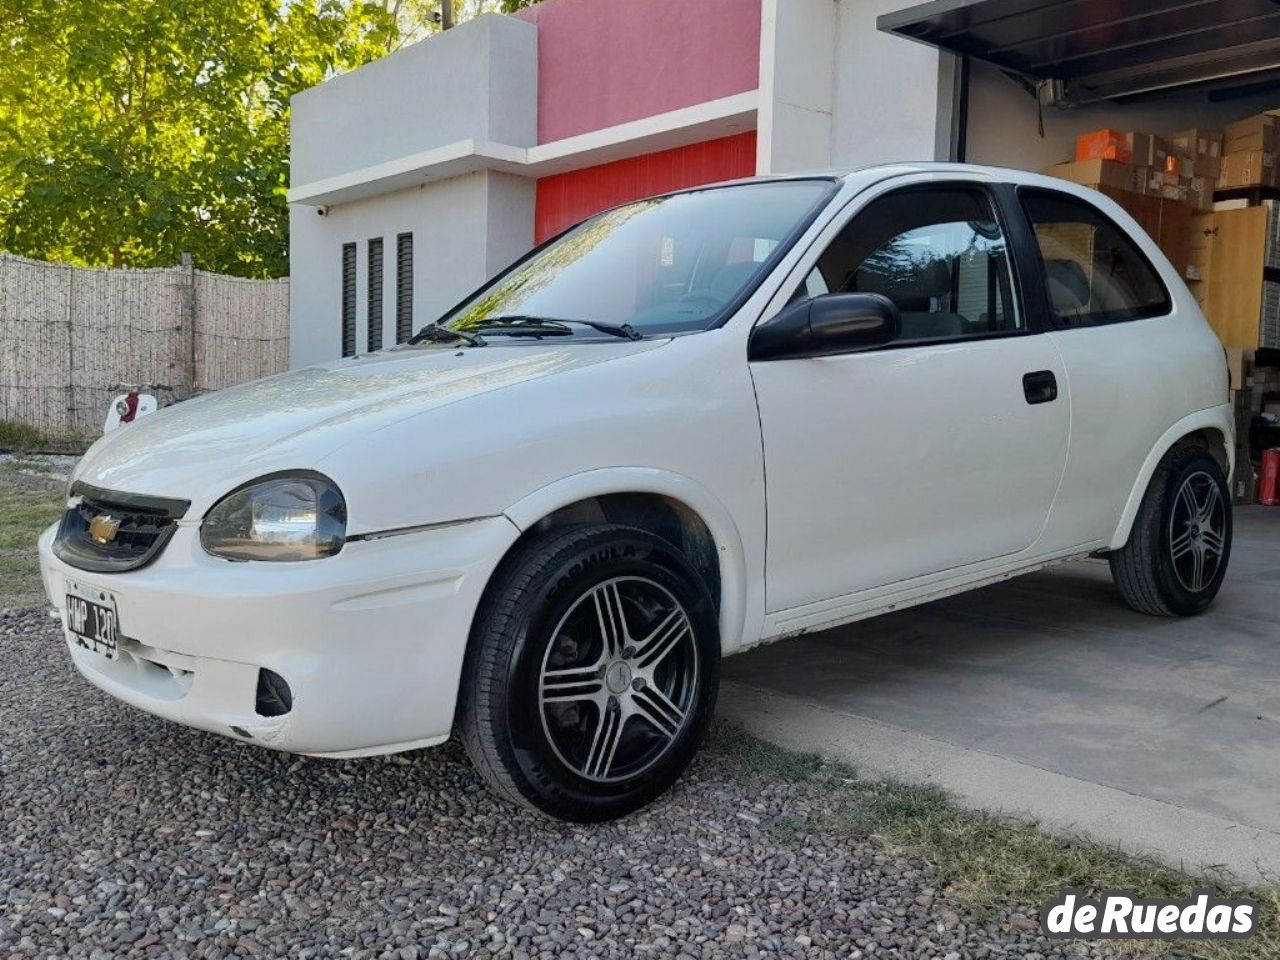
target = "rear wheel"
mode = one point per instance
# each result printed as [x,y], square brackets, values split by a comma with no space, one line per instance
[1177,554]
[591,673]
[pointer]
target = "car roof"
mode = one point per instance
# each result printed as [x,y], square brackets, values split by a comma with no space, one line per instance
[856,179]
[884,171]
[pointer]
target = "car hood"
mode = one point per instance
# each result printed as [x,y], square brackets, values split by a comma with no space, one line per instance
[198,449]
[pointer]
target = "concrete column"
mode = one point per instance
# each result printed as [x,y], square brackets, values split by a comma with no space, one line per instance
[797,76]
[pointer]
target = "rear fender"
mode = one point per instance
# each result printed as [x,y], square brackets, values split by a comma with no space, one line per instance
[1217,419]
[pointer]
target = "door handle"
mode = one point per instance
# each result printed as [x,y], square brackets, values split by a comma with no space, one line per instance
[1040,387]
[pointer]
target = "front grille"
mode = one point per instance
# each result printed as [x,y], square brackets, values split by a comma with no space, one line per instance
[138,528]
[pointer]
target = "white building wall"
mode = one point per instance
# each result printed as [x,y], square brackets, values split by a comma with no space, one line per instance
[836,92]
[477,81]
[886,102]
[464,229]
[797,85]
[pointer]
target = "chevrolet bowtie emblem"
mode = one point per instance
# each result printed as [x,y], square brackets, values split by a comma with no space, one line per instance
[103,529]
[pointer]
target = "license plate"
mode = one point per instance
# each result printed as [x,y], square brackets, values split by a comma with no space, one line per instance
[91,619]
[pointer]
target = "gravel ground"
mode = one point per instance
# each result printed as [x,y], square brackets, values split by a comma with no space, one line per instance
[40,471]
[127,836]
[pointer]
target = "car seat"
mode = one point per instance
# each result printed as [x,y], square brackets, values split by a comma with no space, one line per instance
[913,291]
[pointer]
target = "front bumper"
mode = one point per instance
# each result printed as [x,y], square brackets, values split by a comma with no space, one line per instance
[370,641]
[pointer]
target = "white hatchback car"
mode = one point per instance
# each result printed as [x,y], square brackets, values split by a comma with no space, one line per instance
[688,426]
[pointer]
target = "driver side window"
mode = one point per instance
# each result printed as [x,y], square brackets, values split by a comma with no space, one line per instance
[936,252]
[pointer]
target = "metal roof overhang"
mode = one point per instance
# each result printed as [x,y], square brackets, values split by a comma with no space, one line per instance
[1105,49]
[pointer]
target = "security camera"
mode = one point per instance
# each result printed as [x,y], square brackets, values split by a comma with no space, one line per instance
[322,211]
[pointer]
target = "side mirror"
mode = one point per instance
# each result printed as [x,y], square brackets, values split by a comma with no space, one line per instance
[831,324]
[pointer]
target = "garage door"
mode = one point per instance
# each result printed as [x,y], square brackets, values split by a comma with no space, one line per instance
[1103,49]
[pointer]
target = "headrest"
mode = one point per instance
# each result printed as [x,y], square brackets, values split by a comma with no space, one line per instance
[910,287]
[1067,283]
[732,278]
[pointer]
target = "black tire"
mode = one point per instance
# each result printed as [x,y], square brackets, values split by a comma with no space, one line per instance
[1157,570]
[541,620]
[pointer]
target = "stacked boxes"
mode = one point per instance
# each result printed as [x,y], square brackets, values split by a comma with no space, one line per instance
[1249,154]
[1105,145]
[1166,219]
[1100,173]
[1204,148]
[1269,332]
[1201,153]
[1230,256]
[1229,252]
[1254,387]
[1156,166]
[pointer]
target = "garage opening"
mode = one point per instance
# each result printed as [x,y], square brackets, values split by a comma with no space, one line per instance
[1171,108]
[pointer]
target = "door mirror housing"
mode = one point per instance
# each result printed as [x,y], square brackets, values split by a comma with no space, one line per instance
[823,326]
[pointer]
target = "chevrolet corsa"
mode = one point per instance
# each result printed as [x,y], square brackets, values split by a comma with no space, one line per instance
[689,425]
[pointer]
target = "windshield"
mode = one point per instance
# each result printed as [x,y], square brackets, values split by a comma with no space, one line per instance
[665,265]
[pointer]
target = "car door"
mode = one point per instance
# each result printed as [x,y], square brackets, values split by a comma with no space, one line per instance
[942,449]
[1135,355]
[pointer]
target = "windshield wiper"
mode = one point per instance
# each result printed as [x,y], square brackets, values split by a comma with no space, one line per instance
[438,334]
[446,334]
[557,326]
[524,326]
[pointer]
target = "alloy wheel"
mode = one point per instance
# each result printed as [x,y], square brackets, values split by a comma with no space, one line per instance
[619,679]
[1197,531]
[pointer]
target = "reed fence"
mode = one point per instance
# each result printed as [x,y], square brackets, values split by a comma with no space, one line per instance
[70,335]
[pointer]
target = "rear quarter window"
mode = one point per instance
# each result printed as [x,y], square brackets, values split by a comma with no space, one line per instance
[1094,272]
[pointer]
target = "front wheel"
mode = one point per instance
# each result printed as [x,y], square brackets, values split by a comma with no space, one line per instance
[591,673]
[1176,557]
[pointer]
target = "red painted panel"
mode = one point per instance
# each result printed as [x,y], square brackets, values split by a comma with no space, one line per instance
[567,198]
[605,62]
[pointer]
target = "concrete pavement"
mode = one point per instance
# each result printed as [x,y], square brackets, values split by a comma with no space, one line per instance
[1046,697]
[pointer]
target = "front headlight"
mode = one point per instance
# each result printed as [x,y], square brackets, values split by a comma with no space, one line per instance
[289,517]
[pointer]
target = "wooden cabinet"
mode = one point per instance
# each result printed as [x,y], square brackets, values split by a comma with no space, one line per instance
[1236,256]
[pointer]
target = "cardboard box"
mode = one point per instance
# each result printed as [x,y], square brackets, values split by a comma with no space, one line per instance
[1175,167]
[1208,167]
[1198,143]
[1240,365]
[1245,478]
[1142,180]
[1104,145]
[1253,134]
[1146,150]
[1098,173]
[1251,168]
[1200,193]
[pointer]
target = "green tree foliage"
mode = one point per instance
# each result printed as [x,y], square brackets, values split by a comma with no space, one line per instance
[134,130]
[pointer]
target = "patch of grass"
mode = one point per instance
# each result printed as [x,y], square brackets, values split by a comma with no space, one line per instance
[24,514]
[19,436]
[987,862]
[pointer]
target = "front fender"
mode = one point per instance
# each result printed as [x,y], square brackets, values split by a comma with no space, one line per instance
[1217,418]
[724,531]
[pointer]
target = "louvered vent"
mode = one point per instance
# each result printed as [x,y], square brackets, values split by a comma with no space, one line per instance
[404,287]
[348,299]
[375,294]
